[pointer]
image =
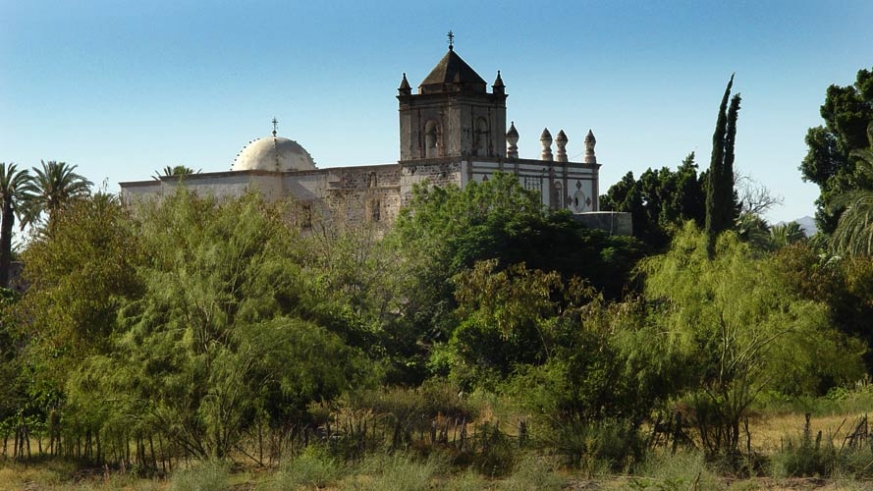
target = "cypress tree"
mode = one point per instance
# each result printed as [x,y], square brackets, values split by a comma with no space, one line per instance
[728,208]
[720,209]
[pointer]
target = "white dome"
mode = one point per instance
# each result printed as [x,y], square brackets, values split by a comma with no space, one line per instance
[274,153]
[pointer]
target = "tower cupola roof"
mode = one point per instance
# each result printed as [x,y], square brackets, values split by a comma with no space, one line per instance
[452,74]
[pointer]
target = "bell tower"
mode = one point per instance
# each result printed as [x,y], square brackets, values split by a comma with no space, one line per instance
[452,115]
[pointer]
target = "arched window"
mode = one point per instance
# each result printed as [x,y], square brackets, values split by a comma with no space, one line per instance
[558,196]
[480,138]
[431,139]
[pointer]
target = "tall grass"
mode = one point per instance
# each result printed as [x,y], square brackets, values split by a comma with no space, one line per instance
[683,470]
[815,454]
[315,468]
[203,476]
[396,472]
[534,472]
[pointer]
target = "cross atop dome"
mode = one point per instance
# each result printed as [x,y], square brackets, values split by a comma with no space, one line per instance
[275,126]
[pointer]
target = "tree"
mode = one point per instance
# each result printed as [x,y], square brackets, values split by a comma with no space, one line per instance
[720,200]
[215,344]
[174,171]
[660,201]
[79,271]
[854,233]
[446,230]
[847,112]
[12,185]
[742,329]
[786,234]
[53,187]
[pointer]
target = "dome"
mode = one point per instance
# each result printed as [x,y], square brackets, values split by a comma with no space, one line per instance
[274,153]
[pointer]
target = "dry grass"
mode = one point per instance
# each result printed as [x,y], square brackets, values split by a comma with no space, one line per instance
[770,431]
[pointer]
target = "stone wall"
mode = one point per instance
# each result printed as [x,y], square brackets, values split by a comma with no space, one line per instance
[433,172]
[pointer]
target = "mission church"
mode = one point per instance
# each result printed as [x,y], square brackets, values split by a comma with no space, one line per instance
[452,131]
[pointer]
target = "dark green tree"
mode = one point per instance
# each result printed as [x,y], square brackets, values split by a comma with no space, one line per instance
[659,201]
[847,111]
[720,198]
[12,184]
[854,233]
[445,231]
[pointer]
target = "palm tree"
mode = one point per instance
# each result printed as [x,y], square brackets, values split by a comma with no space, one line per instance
[12,184]
[51,188]
[786,234]
[177,171]
[854,233]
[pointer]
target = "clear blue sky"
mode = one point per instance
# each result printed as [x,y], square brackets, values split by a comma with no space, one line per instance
[123,88]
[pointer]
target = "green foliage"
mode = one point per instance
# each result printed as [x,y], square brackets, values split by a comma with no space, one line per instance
[80,273]
[356,286]
[740,332]
[660,201]
[174,171]
[13,394]
[785,235]
[853,235]
[847,112]
[720,203]
[52,187]
[12,185]
[212,343]
[499,219]
[844,285]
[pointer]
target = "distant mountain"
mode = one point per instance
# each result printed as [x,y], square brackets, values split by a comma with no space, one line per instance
[807,224]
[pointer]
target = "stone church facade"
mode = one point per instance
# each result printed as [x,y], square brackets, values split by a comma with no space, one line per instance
[452,131]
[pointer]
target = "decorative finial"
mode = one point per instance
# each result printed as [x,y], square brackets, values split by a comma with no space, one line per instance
[546,140]
[451,36]
[561,140]
[590,141]
[512,142]
[275,127]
